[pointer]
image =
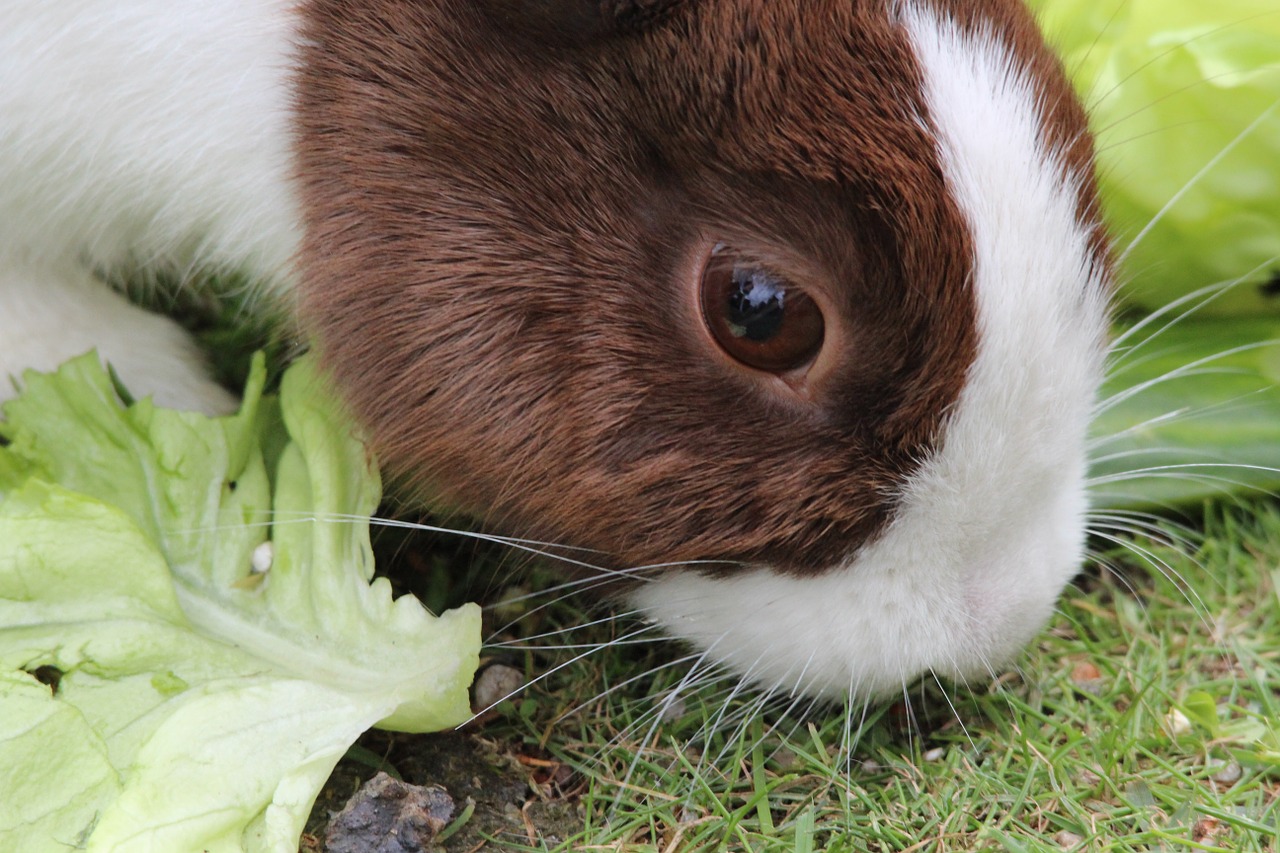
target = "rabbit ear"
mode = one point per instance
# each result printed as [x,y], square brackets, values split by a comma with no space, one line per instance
[578,22]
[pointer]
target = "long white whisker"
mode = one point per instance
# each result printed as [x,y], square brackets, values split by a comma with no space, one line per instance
[1195,179]
[1242,403]
[684,682]
[1093,45]
[694,656]
[1185,370]
[1183,469]
[1182,540]
[954,711]
[529,644]
[1164,568]
[1205,295]
[1096,100]
[545,675]
[718,721]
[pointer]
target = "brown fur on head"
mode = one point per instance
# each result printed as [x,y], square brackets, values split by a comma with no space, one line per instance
[505,227]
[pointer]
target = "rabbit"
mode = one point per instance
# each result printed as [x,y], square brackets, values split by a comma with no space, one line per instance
[792,312]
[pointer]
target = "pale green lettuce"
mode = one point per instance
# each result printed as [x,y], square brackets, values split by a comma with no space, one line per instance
[201,706]
[1184,96]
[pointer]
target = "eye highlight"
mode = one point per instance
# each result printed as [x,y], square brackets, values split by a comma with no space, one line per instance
[756,316]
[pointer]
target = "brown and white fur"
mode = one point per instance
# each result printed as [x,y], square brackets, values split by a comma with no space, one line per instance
[494,217]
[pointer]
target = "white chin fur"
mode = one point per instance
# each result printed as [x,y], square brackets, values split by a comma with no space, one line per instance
[991,528]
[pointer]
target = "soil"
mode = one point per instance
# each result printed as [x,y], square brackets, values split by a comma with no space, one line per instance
[517,800]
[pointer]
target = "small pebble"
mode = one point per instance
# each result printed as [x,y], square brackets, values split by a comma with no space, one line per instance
[1176,723]
[263,556]
[935,754]
[495,683]
[1088,678]
[1068,840]
[389,816]
[673,708]
[1083,672]
[1226,772]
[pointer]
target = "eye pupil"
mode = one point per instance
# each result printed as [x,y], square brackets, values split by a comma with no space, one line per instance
[757,304]
[757,316]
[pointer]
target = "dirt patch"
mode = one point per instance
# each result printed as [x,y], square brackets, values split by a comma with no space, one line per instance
[515,799]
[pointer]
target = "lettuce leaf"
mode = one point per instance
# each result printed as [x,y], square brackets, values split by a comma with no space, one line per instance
[1184,97]
[156,691]
[1196,415]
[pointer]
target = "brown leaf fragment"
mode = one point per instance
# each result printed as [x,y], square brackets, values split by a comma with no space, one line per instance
[1088,678]
[1085,671]
[1207,830]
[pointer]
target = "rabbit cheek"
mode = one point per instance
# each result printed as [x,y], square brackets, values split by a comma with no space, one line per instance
[989,527]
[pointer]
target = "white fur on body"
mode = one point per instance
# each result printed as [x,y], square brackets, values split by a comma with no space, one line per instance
[137,134]
[992,527]
[154,133]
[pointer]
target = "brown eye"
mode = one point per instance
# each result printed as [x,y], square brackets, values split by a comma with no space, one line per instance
[758,317]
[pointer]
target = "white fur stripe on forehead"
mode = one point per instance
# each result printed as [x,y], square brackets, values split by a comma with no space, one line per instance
[990,528]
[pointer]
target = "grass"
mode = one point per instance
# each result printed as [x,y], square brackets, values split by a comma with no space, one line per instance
[1147,717]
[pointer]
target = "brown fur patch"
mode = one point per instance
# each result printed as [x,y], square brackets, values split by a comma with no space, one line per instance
[502,241]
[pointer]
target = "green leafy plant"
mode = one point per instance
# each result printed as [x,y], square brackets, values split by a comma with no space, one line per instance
[1185,101]
[189,639]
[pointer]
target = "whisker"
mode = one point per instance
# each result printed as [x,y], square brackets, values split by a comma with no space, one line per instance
[799,685]
[670,698]
[996,680]
[1242,403]
[608,576]
[603,644]
[1165,97]
[693,656]
[765,698]
[1207,294]
[849,739]
[1187,470]
[717,722]
[954,711]
[1177,373]
[1195,179]
[1162,566]
[1183,540]
[737,724]
[910,716]
[789,713]
[1120,578]
[1097,39]
[560,593]
[1097,100]
[279,518]
[543,676]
